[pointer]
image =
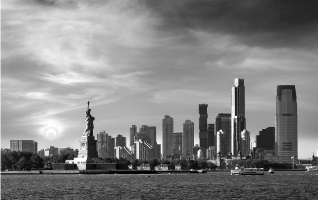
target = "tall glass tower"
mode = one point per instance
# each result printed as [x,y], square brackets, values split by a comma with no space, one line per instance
[238,121]
[286,139]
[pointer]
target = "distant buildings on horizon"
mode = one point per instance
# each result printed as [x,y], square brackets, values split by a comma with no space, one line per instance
[228,135]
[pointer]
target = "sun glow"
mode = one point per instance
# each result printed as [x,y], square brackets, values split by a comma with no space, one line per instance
[50,133]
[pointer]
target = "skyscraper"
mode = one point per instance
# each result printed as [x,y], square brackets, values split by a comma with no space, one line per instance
[187,137]
[223,123]
[177,143]
[167,139]
[238,121]
[203,127]
[133,133]
[286,138]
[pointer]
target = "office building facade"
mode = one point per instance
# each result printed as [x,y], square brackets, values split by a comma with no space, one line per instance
[286,137]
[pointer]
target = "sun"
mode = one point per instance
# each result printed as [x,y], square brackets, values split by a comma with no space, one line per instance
[50,133]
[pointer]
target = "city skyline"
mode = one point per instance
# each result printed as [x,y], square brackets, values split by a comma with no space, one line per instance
[139,61]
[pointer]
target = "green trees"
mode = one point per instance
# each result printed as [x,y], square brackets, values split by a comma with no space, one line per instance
[20,161]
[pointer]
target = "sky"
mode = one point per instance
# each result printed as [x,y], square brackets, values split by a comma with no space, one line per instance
[136,61]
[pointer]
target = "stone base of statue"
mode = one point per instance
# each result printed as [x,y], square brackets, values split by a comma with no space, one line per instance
[86,152]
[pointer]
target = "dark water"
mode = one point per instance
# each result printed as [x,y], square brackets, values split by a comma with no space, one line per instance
[281,185]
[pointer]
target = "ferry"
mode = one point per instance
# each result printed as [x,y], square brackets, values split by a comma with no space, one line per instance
[312,168]
[248,171]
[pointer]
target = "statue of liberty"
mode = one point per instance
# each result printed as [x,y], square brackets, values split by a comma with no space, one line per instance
[89,122]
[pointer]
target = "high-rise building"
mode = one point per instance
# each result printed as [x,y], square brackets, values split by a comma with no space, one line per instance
[286,138]
[266,138]
[211,135]
[105,145]
[203,127]
[120,141]
[238,121]
[223,122]
[102,144]
[187,137]
[133,133]
[149,134]
[245,143]
[167,133]
[143,150]
[177,143]
[24,145]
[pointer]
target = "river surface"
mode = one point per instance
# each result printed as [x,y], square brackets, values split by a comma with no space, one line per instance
[218,185]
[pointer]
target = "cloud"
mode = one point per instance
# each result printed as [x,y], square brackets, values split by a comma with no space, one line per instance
[271,24]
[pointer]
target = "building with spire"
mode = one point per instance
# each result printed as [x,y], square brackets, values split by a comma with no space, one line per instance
[238,121]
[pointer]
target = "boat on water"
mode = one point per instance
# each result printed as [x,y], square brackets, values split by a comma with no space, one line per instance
[271,171]
[248,171]
[202,171]
[312,168]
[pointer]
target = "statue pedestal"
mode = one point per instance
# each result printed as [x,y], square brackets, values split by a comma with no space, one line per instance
[87,147]
[87,151]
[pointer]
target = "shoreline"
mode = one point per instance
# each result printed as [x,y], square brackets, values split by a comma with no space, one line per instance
[52,172]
